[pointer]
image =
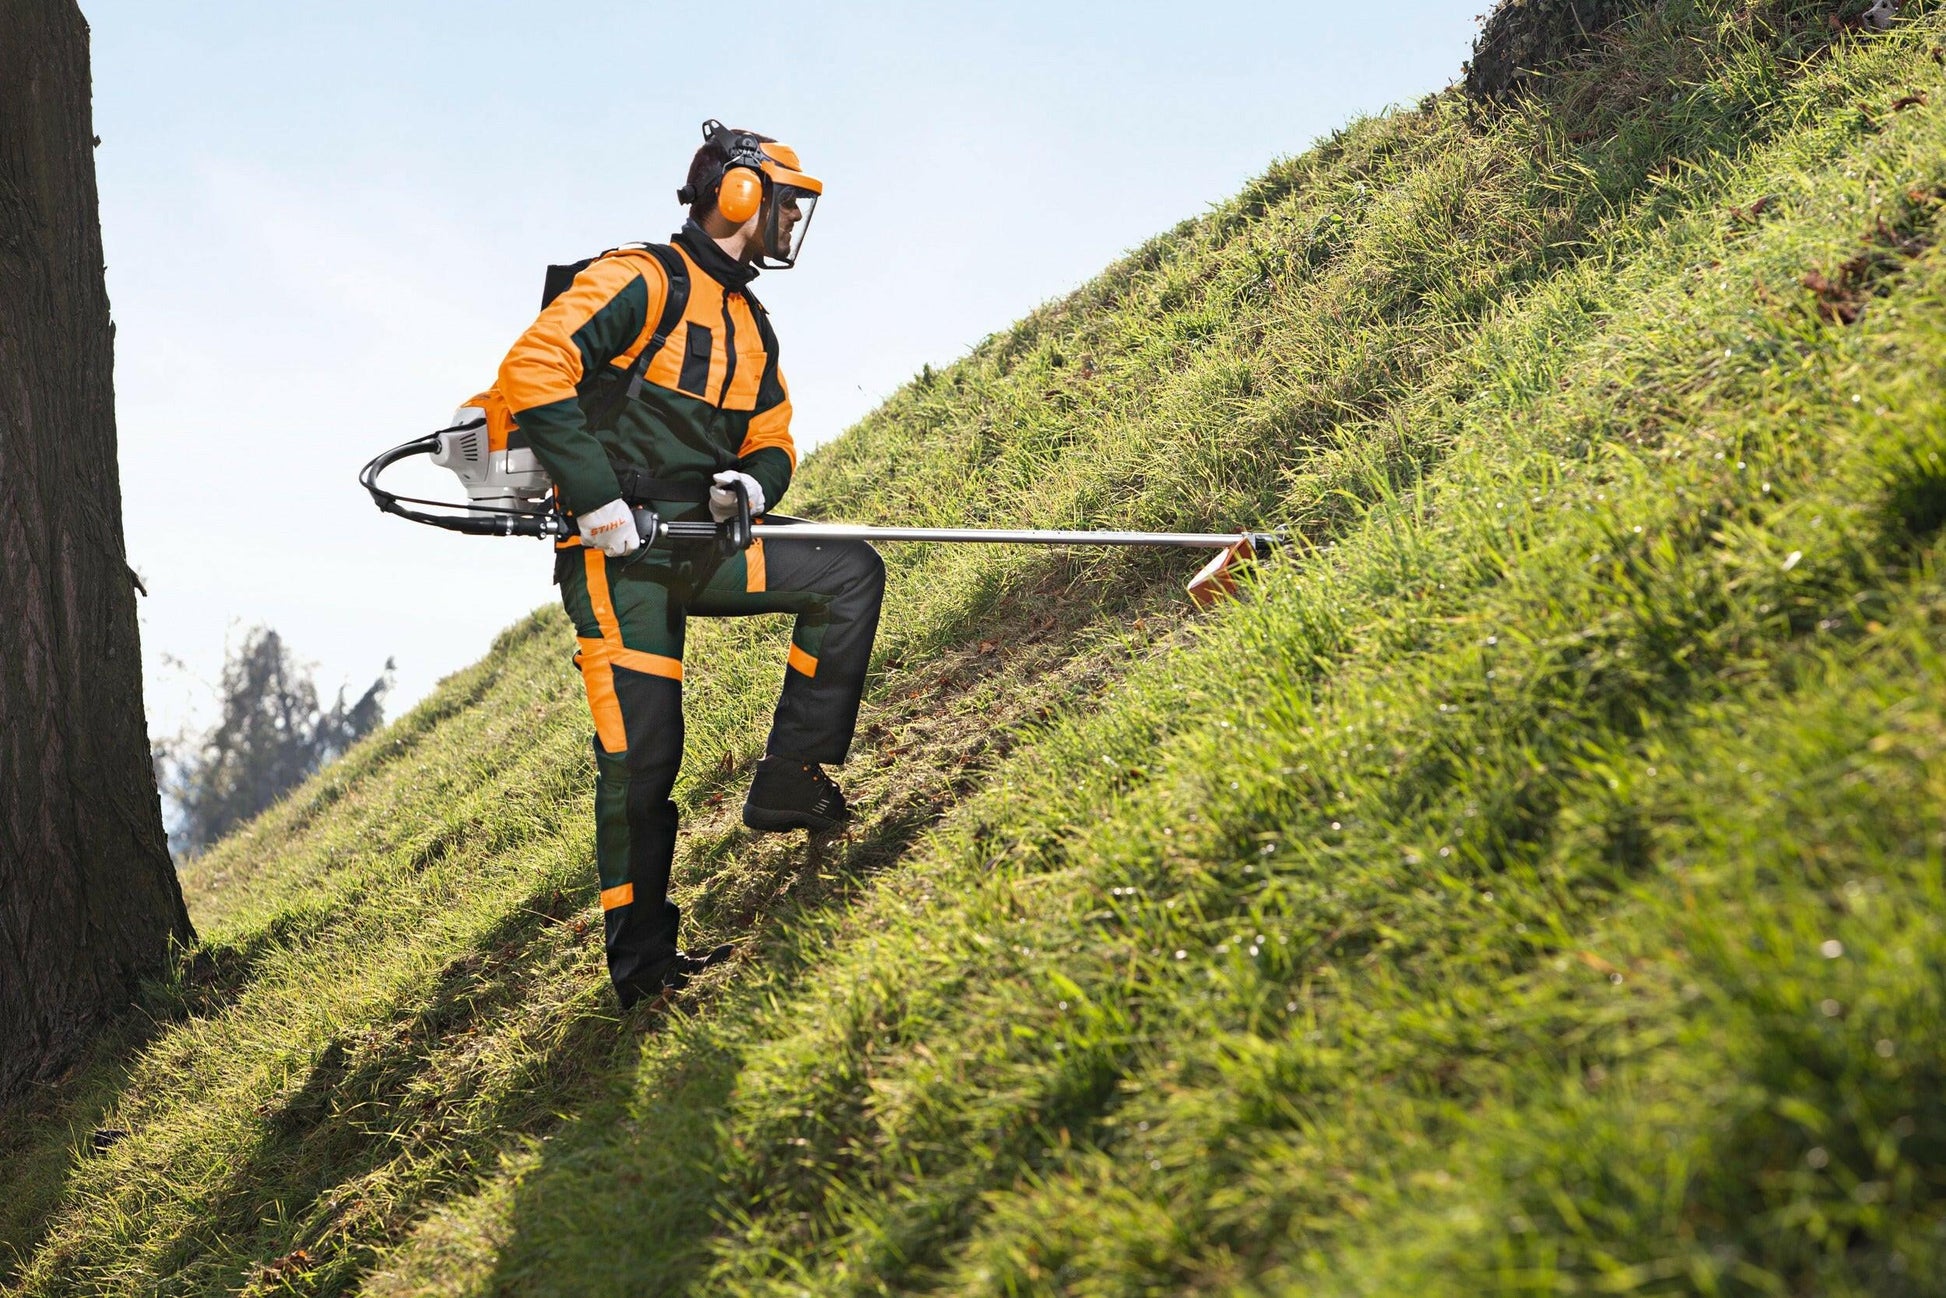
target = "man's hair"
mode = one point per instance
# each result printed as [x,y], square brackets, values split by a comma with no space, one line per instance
[707,167]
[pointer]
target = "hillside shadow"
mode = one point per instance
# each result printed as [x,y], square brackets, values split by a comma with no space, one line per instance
[46,1135]
[374,1096]
[643,1209]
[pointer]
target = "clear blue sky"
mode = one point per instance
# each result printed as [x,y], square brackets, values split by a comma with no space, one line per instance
[325,223]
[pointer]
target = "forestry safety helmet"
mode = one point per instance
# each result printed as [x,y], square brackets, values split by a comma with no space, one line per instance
[745,174]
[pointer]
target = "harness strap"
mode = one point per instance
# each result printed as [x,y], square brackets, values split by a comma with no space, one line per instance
[673,302]
[638,488]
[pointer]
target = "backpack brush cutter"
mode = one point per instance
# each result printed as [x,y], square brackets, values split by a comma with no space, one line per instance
[509,494]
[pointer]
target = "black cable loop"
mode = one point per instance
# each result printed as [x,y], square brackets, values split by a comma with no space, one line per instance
[476,520]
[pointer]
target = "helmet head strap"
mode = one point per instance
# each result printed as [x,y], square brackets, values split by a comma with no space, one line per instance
[729,166]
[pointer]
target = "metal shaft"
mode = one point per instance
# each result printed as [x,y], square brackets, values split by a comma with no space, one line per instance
[544,521]
[781,531]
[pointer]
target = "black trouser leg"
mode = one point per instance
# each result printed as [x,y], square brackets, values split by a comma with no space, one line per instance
[630,634]
[835,588]
[641,929]
[818,709]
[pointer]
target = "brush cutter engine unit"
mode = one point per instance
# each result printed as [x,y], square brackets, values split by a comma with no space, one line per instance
[507,491]
[506,477]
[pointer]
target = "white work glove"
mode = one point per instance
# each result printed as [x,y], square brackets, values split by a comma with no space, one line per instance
[610,529]
[723,503]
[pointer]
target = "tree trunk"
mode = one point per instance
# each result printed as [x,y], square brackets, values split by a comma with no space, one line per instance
[88,896]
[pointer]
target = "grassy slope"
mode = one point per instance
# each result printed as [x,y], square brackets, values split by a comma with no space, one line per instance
[1534,888]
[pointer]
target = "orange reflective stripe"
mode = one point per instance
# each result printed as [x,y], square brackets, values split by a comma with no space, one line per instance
[609,651]
[650,664]
[621,896]
[598,677]
[803,662]
[754,574]
[604,607]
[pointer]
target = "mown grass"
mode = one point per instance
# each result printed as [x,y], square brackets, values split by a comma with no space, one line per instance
[1533,887]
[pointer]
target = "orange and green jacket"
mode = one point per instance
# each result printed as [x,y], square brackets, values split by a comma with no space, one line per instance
[711,399]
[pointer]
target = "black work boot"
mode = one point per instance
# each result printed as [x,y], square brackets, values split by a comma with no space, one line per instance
[670,975]
[791,794]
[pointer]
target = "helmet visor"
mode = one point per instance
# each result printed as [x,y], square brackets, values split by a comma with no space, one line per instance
[786,222]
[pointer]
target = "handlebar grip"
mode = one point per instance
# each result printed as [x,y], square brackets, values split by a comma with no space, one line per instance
[648,524]
[733,535]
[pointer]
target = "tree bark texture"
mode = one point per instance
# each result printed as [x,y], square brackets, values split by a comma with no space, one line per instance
[89,900]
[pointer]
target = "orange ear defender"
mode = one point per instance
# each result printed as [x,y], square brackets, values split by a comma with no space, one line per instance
[740,195]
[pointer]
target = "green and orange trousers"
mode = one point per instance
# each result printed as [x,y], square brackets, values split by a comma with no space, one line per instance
[629,619]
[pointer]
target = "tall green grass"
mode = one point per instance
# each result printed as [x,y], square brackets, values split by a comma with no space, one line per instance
[1532,886]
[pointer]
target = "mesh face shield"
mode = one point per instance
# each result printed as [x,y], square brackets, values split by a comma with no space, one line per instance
[786,217]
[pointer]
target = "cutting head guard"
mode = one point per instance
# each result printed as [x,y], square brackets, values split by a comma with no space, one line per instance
[742,174]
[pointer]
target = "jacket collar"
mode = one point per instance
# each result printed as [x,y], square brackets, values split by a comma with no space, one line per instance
[713,260]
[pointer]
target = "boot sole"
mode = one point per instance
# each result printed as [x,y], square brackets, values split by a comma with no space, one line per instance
[776,822]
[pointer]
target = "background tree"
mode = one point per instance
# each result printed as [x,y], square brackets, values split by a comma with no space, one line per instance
[88,895]
[272,735]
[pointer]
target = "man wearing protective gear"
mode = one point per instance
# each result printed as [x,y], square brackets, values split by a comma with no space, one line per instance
[703,409]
